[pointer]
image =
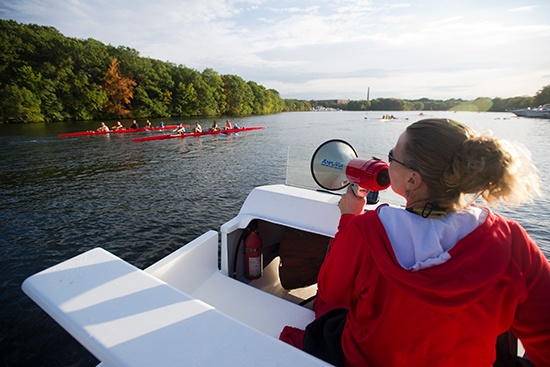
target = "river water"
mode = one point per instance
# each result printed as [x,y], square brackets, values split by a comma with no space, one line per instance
[61,196]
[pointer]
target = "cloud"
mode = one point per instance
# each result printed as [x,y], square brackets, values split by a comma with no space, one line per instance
[524,8]
[324,47]
[308,10]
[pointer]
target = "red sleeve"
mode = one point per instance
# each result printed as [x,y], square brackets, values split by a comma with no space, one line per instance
[339,271]
[532,320]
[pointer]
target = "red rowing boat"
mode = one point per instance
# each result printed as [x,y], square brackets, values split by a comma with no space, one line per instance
[123,131]
[172,136]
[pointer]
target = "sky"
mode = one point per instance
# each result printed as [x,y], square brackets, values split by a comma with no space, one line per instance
[409,49]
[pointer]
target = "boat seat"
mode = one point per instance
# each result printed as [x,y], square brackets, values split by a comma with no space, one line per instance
[128,317]
[193,269]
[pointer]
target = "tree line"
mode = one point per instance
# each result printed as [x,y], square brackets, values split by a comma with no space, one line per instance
[480,104]
[45,76]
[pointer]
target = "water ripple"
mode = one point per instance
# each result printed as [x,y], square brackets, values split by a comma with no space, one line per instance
[63,196]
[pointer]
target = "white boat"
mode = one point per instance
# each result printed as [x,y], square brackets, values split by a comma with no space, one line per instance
[196,307]
[186,309]
[540,112]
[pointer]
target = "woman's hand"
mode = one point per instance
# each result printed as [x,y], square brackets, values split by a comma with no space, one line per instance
[351,204]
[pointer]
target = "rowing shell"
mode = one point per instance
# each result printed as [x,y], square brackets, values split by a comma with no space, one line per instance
[172,136]
[122,131]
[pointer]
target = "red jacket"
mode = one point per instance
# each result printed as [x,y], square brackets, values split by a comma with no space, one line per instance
[448,314]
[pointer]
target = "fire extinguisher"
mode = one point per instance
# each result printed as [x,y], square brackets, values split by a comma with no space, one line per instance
[253,254]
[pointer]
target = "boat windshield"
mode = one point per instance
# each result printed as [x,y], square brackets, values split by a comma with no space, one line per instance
[298,167]
[298,171]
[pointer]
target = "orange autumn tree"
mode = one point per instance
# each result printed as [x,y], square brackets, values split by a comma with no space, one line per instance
[119,90]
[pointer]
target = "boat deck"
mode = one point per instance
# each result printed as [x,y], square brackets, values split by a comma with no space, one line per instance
[264,306]
[129,317]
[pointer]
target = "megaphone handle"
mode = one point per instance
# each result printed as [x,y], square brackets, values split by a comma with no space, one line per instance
[359,191]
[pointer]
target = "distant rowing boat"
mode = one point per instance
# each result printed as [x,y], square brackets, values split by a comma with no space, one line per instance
[122,131]
[172,136]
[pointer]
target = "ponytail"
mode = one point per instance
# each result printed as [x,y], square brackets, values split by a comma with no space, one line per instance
[459,165]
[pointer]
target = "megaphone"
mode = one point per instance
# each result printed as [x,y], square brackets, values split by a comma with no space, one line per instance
[335,165]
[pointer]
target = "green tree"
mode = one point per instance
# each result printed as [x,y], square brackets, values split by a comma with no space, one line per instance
[207,105]
[387,104]
[542,97]
[278,102]
[296,105]
[418,106]
[239,96]
[215,82]
[185,100]
[358,105]
[19,105]
[155,84]
[51,106]
[263,103]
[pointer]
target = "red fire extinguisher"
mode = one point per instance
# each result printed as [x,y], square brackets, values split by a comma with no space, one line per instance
[253,255]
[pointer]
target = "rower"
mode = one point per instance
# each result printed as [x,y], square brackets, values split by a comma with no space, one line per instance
[118,126]
[103,127]
[197,128]
[180,129]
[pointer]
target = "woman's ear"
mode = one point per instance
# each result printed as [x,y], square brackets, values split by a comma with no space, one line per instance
[414,181]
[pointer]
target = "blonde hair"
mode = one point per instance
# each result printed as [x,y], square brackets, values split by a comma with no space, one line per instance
[458,164]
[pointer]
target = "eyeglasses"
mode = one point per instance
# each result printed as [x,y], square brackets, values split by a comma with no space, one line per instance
[391,158]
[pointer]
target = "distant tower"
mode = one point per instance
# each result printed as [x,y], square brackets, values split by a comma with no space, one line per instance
[368,91]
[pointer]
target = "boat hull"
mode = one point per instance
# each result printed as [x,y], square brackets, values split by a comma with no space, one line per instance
[173,136]
[122,131]
[183,307]
[540,112]
[535,114]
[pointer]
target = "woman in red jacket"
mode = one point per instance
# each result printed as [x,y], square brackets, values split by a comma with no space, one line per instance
[436,283]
